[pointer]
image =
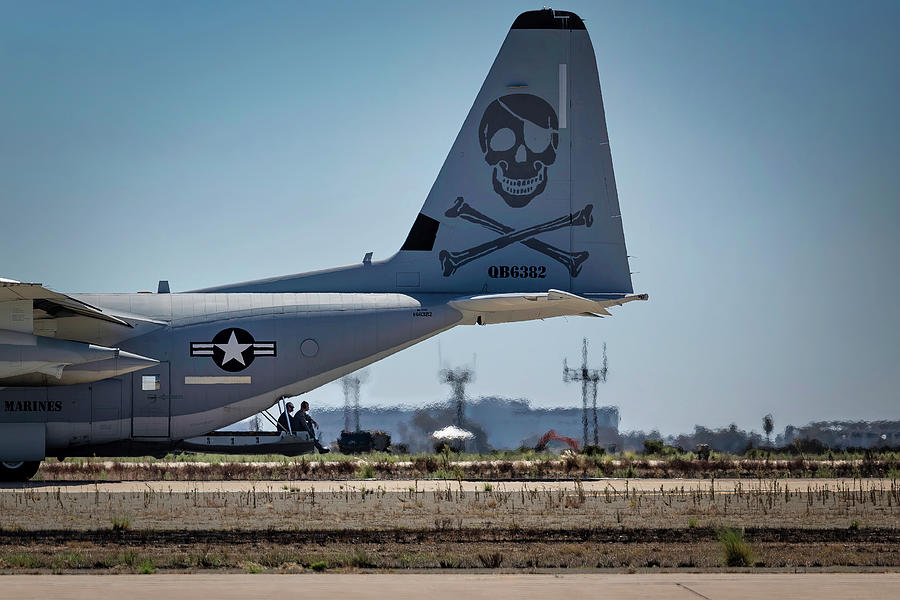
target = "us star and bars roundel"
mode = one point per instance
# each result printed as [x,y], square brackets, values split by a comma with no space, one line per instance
[233,349]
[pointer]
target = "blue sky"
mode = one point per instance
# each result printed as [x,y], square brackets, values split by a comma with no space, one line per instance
[756,148]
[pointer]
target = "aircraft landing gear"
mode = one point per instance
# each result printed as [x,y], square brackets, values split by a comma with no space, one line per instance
[18,470]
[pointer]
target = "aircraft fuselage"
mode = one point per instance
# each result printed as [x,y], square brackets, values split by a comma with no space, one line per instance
[222,357]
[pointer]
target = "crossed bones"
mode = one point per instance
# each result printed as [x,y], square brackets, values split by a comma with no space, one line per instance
[451,261]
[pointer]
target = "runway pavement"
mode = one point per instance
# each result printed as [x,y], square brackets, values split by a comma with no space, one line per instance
[439,586]
[428,485]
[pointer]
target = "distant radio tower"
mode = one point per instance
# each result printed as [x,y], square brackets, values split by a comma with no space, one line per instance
[600,377]
[351,399]
[588,378]
[458,378]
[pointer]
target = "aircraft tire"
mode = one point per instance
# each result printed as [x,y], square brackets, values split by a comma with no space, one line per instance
[18,471]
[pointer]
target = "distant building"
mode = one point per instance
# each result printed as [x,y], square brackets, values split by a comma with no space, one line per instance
[846,434]
[498,423]
[514,423]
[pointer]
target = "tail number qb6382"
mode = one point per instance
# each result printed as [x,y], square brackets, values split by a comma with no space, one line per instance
[517,272]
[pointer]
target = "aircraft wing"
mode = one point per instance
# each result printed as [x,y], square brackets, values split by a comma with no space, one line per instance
[504,308]
[45,304]
[48,338]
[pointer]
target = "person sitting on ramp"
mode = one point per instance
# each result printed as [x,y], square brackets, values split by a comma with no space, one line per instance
[286,420]
[303,422]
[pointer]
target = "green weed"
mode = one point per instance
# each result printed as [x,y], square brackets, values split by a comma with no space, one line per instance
[22,560]
[358,559]
[146,567]
[492,560]
[68,560]
[824,472]
[127,557]
[366,471]
[737,552]
[253,568]
[627,473]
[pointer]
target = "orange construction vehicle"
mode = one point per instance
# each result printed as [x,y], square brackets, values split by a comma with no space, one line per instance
[552,435]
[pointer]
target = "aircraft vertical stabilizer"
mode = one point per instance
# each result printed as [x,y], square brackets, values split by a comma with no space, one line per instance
[526,199]
[527,196]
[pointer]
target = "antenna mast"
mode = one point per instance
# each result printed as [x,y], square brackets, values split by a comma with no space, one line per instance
[351,399]
[458,378]
[589,378]
[348,393]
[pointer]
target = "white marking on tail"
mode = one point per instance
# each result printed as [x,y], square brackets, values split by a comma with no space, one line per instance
[563,86]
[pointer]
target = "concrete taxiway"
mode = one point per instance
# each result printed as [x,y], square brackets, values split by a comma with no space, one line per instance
[429,485]
[453,586]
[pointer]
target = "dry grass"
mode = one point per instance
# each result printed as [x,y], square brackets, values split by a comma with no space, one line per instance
[369,505]
[273,527]
[448,466]
[426,554]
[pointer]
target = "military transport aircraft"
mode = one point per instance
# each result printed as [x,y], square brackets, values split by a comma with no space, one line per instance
[522,223]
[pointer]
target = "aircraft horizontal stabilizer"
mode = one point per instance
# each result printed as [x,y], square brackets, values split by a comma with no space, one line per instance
[503,308]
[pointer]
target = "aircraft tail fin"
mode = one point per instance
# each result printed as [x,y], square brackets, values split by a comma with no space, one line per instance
[526,199]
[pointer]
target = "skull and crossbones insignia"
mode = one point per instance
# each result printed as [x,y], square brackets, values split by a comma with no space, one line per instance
[519,136]
[451,261]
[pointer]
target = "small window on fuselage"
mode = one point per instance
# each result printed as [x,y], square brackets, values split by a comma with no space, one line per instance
[149,383]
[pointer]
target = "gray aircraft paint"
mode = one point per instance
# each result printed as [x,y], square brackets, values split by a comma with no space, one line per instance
[350,330]
[527,188]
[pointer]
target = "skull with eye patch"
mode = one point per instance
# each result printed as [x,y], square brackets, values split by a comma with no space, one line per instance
[519,135]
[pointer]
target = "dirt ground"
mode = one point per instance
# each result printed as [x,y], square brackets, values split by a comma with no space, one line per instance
[422,550]
[302,506]
[297,526]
